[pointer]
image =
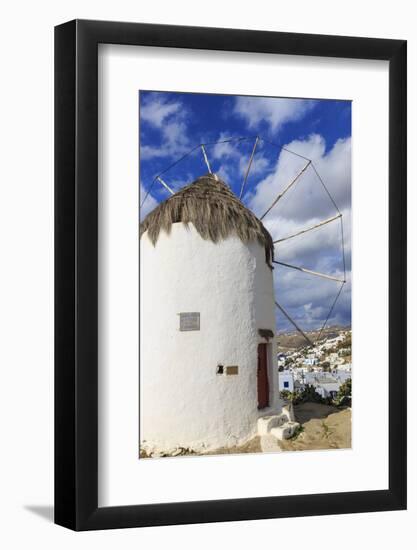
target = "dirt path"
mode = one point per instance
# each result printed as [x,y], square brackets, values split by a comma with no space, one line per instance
[324,427]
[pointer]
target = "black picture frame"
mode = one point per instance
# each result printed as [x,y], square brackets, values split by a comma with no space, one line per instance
[76,272]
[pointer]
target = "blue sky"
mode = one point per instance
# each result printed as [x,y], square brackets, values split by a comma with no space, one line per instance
[171,124]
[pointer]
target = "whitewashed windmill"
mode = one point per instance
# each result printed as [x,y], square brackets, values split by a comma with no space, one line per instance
[207,304]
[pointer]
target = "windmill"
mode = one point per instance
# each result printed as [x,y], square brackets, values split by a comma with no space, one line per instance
[210,251]
[300,181]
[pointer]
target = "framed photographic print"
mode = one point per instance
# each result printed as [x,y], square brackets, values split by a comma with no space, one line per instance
[230,275]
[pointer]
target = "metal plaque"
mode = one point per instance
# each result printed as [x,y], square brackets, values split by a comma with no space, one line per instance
[190,321]
[233,369]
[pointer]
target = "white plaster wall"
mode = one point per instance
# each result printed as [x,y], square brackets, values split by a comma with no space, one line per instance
[183,402]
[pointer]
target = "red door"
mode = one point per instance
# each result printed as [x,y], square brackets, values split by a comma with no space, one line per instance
[263,386]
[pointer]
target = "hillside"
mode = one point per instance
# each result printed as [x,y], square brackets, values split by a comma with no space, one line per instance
[287,341]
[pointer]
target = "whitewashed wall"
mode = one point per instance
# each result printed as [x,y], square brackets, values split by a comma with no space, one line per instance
[184,402]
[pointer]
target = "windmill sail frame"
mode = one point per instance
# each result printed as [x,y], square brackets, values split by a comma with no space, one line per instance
[309,164]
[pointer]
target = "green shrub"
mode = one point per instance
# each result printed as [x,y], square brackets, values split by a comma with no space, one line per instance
[308,395]
[344,395]
[288,395]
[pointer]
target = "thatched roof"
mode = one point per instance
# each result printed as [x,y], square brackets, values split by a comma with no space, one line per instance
[215,212]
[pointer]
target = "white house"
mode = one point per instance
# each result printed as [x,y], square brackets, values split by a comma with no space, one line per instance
[286,380]
[207,346]
[311,359]
[347,367]
[300,375]
[329,389]
[342,375]
[281,357]
[325,385]
[343,372]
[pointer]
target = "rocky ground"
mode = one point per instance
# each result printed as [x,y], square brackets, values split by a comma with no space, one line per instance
[322,427]
[252,446]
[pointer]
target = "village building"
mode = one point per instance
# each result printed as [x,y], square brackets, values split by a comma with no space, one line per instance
[343,372]
[281,359]
[327,389]
[286,381]
[310,360]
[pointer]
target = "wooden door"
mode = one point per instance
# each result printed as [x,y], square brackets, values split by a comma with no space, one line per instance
[263,385]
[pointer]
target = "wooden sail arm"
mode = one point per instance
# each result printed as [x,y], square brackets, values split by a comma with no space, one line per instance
[307,229]
[206,159]
[165,185]
[310,271]
[294,323]
[249,167]
[292,182]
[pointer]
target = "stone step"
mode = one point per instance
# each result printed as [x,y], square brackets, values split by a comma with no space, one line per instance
[285,431]
[267,423]
[288,409]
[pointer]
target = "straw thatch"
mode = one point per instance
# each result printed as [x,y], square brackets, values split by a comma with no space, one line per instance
[215,212]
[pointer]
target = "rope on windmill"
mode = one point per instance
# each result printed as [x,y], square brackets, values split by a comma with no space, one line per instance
[343,247]
[325,188]
[330,311]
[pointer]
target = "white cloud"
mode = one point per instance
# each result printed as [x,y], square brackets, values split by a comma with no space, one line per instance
[169,118]
[306,297]
[224,174]
[157,110]
[307,199]
[224,149]
[174,142]
[234,156]
[273,111]
[258,166]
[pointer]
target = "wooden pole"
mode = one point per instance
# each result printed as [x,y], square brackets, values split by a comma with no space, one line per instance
[304,270]
[165,185]
[294,323]
[206,159]
[297,177]
[249,166]
[308,229]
